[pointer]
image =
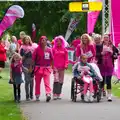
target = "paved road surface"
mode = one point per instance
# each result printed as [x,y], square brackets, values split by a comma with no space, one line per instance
[66,110]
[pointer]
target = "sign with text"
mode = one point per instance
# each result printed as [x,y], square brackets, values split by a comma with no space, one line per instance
[85,6]
[71,55]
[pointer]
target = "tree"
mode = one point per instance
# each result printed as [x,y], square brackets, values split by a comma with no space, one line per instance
[51,18]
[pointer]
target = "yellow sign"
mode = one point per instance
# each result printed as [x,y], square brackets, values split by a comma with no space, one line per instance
[85,6]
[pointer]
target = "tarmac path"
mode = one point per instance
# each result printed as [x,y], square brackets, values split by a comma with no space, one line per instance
[65,109]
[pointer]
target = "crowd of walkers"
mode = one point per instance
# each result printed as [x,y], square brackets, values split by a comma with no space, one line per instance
[38,60]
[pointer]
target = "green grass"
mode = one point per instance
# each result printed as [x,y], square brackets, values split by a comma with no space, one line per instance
[8,109]
[116,89]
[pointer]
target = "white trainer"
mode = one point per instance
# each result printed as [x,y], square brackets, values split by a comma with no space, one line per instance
[109,98]
[54,97]
[86,98]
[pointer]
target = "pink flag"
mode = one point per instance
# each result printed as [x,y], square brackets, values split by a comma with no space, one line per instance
[33,32]
[115,31]
[92,18]
[115,7]
[11,15]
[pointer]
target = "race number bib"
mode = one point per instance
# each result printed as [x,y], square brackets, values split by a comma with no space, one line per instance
[89,54]
[47,55]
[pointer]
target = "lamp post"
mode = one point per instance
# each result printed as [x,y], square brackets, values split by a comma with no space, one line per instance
[106,17]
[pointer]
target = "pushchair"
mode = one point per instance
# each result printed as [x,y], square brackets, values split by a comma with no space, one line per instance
[77,86]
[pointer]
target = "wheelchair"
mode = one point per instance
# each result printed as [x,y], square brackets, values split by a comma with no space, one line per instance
[77,87]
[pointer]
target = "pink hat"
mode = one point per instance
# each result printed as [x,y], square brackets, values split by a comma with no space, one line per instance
[41,38]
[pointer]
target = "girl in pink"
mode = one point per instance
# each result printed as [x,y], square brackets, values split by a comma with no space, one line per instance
[60,55]
[84,71]
[16,75]
[43,60]
[86,47]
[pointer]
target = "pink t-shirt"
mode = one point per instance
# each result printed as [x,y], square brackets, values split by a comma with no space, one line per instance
[60,58]
[42,58]
[75,43]
[20,42]
[89,51]
[17,67]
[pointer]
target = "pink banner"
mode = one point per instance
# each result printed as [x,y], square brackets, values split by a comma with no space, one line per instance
[11,15]
[115,31]
[115,7]
[92,18]
[117,68]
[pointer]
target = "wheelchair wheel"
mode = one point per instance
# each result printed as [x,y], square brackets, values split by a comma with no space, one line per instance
[98,95]
[73,90]
[82,97]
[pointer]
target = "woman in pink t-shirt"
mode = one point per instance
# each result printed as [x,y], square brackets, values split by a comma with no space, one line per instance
[86,47]
[43,60]
[60,55]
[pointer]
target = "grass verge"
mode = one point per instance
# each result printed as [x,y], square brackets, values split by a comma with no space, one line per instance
[8,109]
[69,70]
[116,90]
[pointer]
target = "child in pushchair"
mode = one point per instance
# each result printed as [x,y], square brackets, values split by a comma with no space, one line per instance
[85,79]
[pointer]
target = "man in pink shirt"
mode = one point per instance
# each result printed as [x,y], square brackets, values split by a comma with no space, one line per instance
[76,42]
[43,60]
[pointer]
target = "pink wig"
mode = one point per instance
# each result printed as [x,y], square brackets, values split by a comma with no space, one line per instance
[60,37]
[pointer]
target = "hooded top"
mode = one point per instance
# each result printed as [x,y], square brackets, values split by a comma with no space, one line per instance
[42,57]
[2,52]
[60,54]
[64,42]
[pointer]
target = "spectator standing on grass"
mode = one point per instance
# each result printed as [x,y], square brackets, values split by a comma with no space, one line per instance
[6,43]
[3,57]
[20,42]
[13,46]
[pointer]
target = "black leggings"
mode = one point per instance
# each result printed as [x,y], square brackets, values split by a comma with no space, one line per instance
[106,80]
[17,91]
